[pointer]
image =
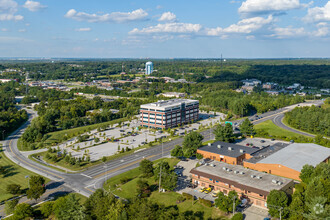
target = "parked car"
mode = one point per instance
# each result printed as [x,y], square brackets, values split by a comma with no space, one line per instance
[215,193]
[208,190]
[202,189]
[262,141]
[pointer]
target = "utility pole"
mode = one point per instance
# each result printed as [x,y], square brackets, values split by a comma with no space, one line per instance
[160,173]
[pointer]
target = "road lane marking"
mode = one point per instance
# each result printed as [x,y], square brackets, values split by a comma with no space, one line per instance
[38,168]
[86,175]
[121,167]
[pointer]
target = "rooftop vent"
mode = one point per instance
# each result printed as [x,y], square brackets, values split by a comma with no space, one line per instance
[209,144]
[241,150]
[219,146]
[212,165]
[228,169]
[279,183]
[224,168]
[259,177]
[236,171]
[230,148]
[252,176]
[241,172]
[274,181]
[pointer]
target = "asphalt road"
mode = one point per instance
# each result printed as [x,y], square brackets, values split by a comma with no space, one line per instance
[89,180]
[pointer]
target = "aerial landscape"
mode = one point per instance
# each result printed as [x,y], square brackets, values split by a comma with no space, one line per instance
[165,110]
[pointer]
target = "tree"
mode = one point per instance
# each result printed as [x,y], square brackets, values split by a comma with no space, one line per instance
[247,127]
[238,216]
[47,208]
[143,188]
[10,206]
[116,210]
[306,173]
[222,202]
[146,167]
[177,151]
[97,205]
[191,143]
[224,133]
[13,189]
[35,192]
[68,207]
[23,211]
[168,177]
[276,200]
[97,140]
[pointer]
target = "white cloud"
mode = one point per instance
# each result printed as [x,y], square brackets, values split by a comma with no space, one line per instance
[22,30]
[318,14]
[174,28]
[83,29]
[253,7]
[118,17]
[4,30]
[33,6]
[8,9]
[168,16]
[288,32]
[245,26]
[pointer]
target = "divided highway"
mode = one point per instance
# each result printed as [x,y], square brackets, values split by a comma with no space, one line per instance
[86,182]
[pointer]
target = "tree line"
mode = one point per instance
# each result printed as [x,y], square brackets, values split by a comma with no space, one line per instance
[10,117]
[311,119]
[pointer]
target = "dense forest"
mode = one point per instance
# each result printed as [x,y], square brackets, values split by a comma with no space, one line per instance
[313,73]
[311,119]
[10,117]
[243,105]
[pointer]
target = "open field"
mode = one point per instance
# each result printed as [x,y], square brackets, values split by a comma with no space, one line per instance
[13,174]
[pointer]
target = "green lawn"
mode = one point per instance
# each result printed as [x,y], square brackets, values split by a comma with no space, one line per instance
[13,174]
[170,198]
[276,132]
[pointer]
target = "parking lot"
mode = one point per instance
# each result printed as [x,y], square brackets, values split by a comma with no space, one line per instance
[127,136]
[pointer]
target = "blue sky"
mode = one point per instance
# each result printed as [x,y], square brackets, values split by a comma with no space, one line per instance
[165,29]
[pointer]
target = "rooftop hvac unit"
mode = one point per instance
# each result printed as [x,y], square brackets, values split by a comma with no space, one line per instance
[209,144]
[241,172]
[212,165]
[242,151]
[224,168]
[236,171]
[274,181]
[279,183]
[219,146]
[252,176]
[228,169]
[259,177]
[229,148]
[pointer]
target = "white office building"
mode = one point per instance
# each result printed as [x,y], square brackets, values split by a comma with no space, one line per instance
[149,68]
[169,113]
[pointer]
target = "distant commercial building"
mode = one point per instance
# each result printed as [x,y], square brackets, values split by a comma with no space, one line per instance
[169,113]
[149,68]
[289,160]
[269,85]
[251,82]
[173,94]
[254,186]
